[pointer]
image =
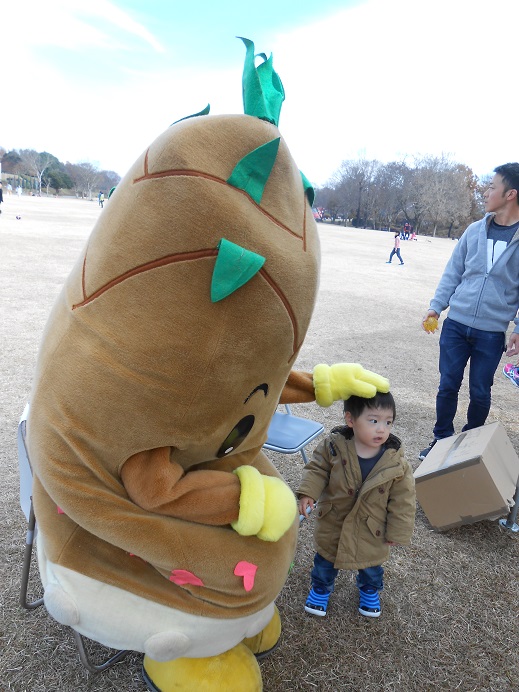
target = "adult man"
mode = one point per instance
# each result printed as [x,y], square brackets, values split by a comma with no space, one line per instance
[480,285]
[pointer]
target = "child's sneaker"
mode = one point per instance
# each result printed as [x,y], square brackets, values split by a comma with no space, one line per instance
[508,369]
[317,602]
[369,604]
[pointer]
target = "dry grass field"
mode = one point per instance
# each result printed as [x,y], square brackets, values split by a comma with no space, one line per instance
[450,605]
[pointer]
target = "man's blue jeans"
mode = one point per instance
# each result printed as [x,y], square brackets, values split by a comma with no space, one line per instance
[324,575]
[458,344]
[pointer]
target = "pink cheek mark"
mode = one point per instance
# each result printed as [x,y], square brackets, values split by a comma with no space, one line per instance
[60,511]
[248,571]
[182,577]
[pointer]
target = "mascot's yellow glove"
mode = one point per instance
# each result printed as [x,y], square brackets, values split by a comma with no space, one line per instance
[267,505]
[342,380]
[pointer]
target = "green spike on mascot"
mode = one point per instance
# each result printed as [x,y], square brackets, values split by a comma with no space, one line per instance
[163,528]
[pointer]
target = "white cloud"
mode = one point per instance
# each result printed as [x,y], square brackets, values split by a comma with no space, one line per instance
[401,77]
[70,24]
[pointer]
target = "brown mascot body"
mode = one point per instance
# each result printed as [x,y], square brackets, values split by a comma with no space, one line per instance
[163,527]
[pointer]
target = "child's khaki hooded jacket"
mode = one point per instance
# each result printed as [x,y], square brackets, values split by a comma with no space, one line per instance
[353,520]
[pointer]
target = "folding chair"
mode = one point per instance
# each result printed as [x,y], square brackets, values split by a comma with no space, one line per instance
[289,434]
[27,508]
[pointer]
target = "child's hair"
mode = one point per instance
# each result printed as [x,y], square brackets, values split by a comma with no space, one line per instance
[356,404]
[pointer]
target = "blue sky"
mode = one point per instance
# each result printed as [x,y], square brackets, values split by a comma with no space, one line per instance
[383,79]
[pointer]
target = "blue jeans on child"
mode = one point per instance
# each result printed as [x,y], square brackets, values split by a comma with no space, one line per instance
[324,575]
[458,343]
[395,251]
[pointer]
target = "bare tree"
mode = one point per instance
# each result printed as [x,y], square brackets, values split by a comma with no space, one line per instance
[108,180]
[35,163]
[481,186]
[85,177]
[388,185]
[353,182]
[443,190]
[432,192]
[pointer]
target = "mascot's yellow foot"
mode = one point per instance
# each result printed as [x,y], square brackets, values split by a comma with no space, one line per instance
[235,670]
[266,641]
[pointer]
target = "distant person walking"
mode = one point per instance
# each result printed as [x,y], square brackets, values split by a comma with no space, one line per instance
[9,188]
[101,199]
[19,190]
[396,249]
[1,196]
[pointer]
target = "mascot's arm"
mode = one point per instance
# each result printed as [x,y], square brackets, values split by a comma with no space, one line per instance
[329,383]
[157,485]
[298,389]
[254,504]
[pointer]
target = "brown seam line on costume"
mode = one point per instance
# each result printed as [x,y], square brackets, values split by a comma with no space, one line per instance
[162,262]
[83,279]
[198,174]
[287,305]
[304,221]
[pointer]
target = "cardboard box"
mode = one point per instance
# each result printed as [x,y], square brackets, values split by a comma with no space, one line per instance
[468,477]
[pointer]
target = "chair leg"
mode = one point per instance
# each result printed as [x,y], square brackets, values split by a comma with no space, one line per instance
[85,659]
[303,454]
[32,605]
[26,565]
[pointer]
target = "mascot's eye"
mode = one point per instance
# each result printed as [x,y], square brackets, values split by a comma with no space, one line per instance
[236,436]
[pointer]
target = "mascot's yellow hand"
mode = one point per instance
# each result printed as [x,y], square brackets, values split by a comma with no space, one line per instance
[280,509]
[267,505]
[342,380]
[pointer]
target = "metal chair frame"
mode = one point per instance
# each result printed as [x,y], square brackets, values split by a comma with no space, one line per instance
[289,434]
[27,507]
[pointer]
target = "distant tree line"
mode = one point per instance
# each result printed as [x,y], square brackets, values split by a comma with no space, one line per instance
[431,193]
[48,172]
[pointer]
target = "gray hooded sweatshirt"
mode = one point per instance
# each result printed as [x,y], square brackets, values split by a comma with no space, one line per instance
[477,297]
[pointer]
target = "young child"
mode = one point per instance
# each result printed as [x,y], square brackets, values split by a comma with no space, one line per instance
[396,249]
[366,501]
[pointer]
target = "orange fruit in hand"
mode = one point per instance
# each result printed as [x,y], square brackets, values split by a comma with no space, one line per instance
[430,324]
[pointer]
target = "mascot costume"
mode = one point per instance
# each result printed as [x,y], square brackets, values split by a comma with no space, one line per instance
[163,528]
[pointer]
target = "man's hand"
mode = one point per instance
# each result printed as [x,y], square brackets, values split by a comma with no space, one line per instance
[429,315]
[513,345]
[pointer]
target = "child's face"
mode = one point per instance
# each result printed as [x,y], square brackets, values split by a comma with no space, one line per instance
[371,429]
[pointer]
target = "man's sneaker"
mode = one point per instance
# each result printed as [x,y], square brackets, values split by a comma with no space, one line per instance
[317,602]
[369,604]
[401,263]
[426,451]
